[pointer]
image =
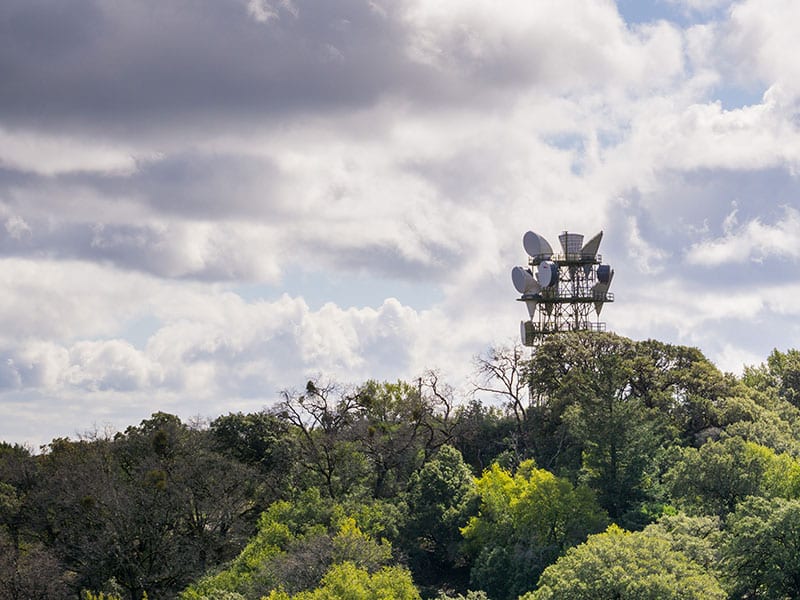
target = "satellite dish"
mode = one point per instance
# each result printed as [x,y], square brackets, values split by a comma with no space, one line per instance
[526,333]
[599,291]
[531,306]
[591,247]
[605,274]
[524,281]
[547,273]
[536,246]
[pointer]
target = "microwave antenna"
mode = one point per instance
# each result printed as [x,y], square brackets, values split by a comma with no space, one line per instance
[562,291]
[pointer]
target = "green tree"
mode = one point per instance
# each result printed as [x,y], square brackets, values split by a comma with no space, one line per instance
[396,431]
[699,538]
[585,386]
[346,581]
[295,545]
[524,522]
[761,553]
[784,371]
[259,439]
[480,433]
[714,478]
[618,564]
[325,454]
[437,508]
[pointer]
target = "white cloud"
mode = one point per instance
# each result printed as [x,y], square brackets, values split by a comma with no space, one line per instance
[55,155]
[439,134]
[753,241]
[544,43]
[261,10]
[647,258]
[755,42]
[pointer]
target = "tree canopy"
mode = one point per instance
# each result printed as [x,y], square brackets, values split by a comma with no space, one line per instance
[416,490]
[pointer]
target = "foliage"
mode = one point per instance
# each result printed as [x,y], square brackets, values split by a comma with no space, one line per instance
[351,480]
[346,581]
[295,545]
[525,521]
[438,505]
[762,549]
[698,537]
[470,595]
[618,564]
[607,409]
[718,475]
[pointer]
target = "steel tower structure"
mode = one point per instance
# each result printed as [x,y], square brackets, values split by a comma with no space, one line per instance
[562,291]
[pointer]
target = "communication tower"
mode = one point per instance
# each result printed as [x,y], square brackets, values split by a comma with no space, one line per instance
[561,291]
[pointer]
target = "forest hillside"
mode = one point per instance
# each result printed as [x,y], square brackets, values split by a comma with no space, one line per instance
[596,468]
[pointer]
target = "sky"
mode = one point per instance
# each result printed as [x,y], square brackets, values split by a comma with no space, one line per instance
[206,202]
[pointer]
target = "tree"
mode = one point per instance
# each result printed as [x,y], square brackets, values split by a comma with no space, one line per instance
[259,439]
[480,434]
[761,554]
[438,499]
[716,477]
[151,508]
[321,420]
[295,545]
[30,572]
[501,372]
[618,564]
[395,431]
[524,522]
[585,387]
[699,538]
[784,368]
[346,581]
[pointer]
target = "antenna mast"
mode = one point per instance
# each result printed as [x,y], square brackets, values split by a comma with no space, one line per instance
[561,291]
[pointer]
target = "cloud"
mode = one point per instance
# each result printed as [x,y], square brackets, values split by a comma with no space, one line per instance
[186,188]
[48,155]
[540,44]
[753,241]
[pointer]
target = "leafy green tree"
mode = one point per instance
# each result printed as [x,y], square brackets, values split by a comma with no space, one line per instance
[470,595]
[699,538]
[480,433]
[586,391]
[258,439]
[438,499]
[761,554]
[295,545]
[524,522]
[784,372]
[618,564]
[346,581]
[396,431]
[714,478]
[761,418]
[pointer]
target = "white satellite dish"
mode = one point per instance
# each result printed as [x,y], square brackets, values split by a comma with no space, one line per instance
[536,246]
[599,290]
[591,247]
[531,306]
[524,282]
[547,273]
